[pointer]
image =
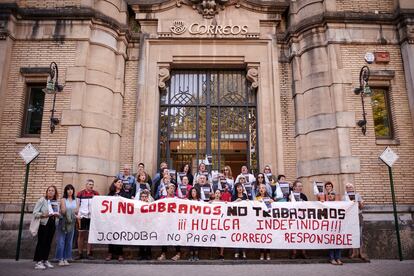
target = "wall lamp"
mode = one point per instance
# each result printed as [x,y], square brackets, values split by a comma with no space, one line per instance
[53,87]
[363,90]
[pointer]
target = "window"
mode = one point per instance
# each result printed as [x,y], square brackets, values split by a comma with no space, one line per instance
[33,111]
[381,113]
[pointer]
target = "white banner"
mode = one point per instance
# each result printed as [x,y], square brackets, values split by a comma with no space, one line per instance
[244,224]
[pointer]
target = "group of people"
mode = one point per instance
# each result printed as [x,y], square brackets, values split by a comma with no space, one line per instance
[204,185]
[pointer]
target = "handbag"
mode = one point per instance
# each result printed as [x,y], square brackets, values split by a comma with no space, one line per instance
[34,226]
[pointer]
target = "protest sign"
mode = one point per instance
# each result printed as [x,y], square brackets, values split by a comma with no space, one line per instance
[245,224]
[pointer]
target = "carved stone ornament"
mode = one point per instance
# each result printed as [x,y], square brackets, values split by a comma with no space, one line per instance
[208,8]
[163,77]
[253,77]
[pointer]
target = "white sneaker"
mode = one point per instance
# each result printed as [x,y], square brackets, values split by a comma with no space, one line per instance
[39,265]
[48,264]
[61,263]
[66,262]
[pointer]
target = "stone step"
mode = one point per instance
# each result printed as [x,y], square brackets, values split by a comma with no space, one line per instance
[209,255]
[220,262]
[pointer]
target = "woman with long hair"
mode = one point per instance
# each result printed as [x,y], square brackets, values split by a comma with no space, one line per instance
[263,196]
[45,210]
[186,171]
[239,195]
[228,174]
[194,194]
[66,227]
[116,189]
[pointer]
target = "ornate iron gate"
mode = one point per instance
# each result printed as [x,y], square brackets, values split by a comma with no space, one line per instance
[208,113]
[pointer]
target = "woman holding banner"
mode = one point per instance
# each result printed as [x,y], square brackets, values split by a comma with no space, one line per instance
[144,250]
[263,196]
[351,195]
[116,190]
[217,199]
[330,195]
[239,195]
[177,256]
[298,196]
[194,194]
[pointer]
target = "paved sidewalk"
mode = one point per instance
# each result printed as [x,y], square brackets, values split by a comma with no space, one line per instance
[376,267]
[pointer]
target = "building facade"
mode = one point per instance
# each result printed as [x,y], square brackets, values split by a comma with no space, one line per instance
[256,82]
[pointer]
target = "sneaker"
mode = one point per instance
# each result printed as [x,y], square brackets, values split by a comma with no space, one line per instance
[244,256]
[61,263]
[66,262]
[196,258]
[261,256]
[236,255]
[268,257]
[161,257]
[176,257]
[333,262]
[39,265]
[339,262]
[48,264]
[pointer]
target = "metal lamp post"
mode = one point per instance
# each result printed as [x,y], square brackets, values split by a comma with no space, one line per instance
[53,87]
[363,90]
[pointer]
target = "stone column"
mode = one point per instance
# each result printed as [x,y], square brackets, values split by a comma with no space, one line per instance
[406,33]
[323,121]
[95,112]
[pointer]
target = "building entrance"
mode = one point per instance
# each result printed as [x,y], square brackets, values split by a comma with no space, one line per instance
[208,115]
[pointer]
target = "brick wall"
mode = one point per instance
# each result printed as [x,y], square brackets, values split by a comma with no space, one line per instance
[42,170]
[373,181]
[288,121]
[382,6]
[129,113]
[47,4]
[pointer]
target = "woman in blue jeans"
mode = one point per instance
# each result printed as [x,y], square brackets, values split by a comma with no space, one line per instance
[66,226]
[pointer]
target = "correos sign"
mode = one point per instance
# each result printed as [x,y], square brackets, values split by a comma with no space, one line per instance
[179,27]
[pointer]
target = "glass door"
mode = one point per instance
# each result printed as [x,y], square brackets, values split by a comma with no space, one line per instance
[208,113]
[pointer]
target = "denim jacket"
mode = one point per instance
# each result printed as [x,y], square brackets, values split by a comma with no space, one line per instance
[40,209]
